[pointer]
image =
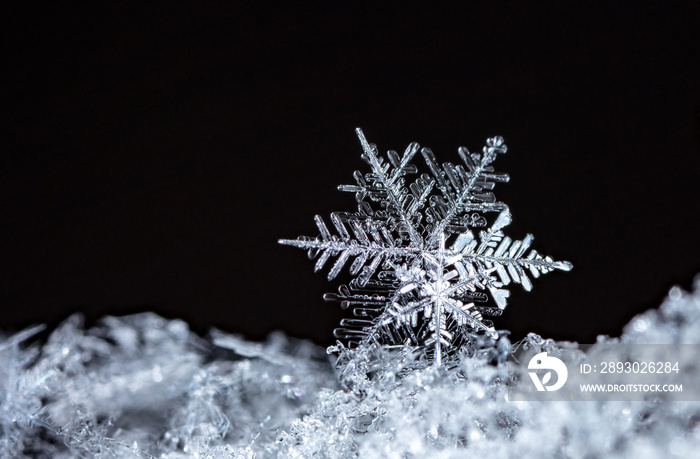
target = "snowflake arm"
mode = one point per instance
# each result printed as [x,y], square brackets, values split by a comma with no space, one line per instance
[346,245]
[498,252]
[389,184]
[466,190]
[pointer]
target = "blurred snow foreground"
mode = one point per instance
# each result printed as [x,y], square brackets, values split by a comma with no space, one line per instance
[143,386]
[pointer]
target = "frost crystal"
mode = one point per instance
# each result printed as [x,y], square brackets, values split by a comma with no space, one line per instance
[421,276]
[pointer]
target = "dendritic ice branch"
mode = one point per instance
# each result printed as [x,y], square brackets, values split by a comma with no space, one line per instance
[420,274]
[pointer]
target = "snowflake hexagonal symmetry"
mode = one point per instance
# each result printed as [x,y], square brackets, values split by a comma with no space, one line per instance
[420,275]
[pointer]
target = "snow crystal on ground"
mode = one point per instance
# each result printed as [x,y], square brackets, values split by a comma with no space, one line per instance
[144,386]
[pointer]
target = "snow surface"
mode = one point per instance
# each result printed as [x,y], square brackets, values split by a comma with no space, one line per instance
[144,386]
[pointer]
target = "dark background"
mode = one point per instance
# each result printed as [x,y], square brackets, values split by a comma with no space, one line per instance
[152,157]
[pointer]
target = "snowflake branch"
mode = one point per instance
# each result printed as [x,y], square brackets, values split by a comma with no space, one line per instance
[379,170]
[477,178]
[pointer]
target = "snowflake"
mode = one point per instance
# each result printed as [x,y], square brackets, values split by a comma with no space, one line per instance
[420,276]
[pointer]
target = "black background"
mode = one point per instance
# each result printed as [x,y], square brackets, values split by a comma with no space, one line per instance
[153,156]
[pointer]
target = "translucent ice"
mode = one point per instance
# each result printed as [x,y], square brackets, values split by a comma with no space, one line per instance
[420,274]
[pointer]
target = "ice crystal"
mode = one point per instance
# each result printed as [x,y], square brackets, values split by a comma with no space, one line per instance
[421,276]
